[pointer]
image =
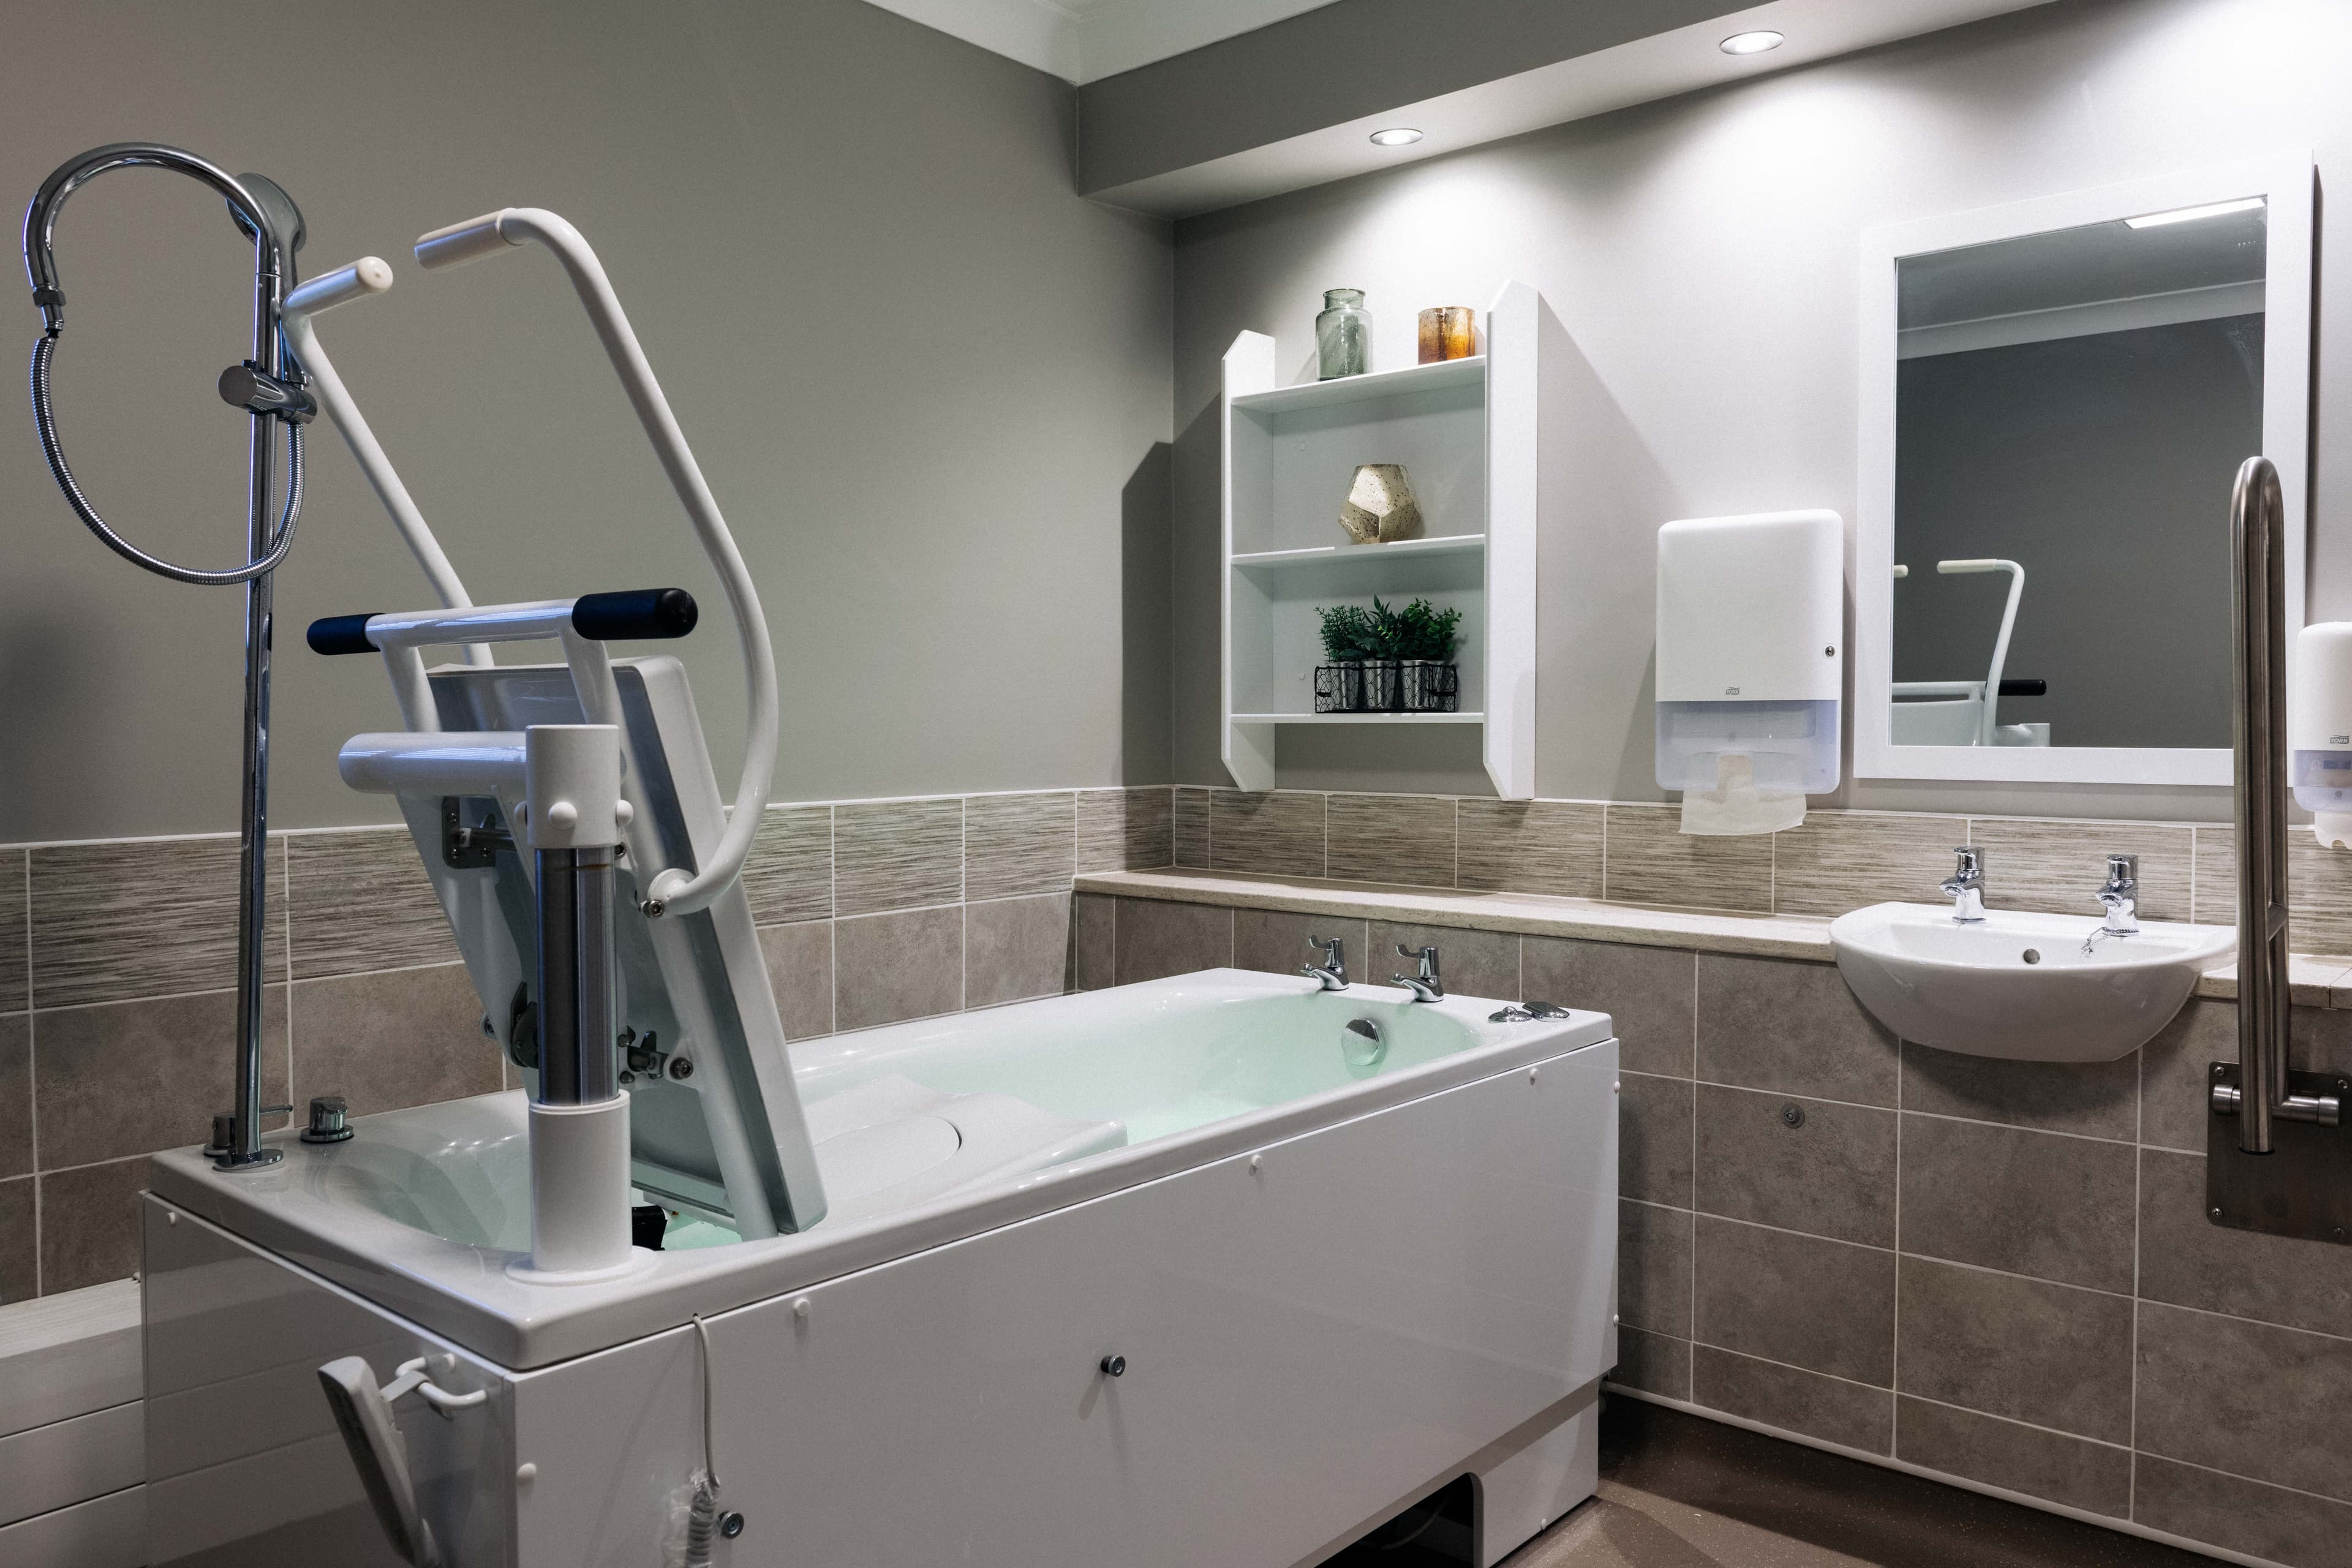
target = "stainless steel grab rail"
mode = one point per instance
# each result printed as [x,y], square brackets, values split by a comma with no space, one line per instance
[2258,732]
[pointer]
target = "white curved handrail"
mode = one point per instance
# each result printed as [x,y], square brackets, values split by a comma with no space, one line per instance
[364,279]
[1988,723]
[673,889]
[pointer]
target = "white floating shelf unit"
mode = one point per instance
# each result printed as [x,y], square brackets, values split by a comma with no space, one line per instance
[1465,432]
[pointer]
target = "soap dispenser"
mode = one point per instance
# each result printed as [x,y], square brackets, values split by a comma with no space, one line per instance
[1750,666]
[2319,730]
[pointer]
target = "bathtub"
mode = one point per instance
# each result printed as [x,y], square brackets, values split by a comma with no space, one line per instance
[1338,1268]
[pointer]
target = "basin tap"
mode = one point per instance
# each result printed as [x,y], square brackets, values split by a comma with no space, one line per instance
[1965,886]
[2120,899]
[1425,986]
[1332,974]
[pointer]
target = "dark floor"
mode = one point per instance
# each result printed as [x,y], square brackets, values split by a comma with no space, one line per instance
[1677,1491]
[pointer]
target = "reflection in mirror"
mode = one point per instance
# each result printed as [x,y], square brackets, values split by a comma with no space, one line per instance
[2071,409]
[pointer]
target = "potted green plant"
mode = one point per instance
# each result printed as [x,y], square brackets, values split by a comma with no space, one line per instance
[1352,634]
[1425,638]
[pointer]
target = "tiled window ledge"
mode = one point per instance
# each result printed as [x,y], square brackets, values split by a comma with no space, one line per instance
[2315,981]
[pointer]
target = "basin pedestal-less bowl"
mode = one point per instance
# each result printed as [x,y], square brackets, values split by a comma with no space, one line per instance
[2020,985]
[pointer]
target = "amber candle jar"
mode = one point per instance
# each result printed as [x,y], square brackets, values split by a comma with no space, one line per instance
[1448,332]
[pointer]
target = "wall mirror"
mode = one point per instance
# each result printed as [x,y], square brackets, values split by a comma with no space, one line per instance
[2055,398]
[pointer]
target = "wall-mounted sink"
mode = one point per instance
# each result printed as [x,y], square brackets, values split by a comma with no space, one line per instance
[2020,985]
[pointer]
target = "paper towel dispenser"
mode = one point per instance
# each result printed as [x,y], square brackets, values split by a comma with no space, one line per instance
[1751,662]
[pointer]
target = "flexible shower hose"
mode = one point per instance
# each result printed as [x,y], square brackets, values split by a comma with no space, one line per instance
[45,420]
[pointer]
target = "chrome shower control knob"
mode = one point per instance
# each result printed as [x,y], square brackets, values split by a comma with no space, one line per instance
[329,1119]
[1113,1365]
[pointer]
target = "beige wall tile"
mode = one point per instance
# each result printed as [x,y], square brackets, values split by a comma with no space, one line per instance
[15,1096]
[1397,838]
[130,1078]
[2060,866]
[1190,827]
[1648,859]
[1125,829]
[1648,993]
[363,901]
[1655,1363]
[789,877]
[1830,1175]
[2263,1521]
[1273,942]
[89,1224]
[2042,1204]
[1853,1414]
[392,1039]
[1094,942]
[146,918]
[1839,861]
[800,972]
[1547,846]
[2188,1261]
[897,855]
[1654,1139]
[20,1243]
[1787,1027]
[1653,1267]
[2271,1404]
[1277,835]
[2319,888]
[15,934]
[2093,1476]
[888,968]
[2319,895]
[2099,1100]
[1156,939]
[2050,1354]
[1470,963]
[1824,1306]
[1017,845]
[1016,949]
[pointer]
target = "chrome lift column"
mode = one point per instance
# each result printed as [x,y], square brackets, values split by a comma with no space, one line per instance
[573,817]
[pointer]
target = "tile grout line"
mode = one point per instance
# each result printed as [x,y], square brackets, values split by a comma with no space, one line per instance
[1895,1338]
[32,1072]
[1691,1387]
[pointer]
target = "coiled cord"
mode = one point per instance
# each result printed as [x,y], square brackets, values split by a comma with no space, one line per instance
[702,1512]
[45,420]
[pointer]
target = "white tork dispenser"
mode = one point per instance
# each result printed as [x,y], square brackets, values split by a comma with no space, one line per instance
[1751,662]
[2319,730]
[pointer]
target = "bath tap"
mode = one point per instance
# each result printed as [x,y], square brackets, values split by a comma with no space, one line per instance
[1332,973]
[1424,986]
[1965,886]
[2120,898]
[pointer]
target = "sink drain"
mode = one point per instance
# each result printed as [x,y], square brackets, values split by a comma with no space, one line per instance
[2033,955]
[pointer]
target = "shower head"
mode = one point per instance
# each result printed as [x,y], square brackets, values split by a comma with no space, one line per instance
[261,210]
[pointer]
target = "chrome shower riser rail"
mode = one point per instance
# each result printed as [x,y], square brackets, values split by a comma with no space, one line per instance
[270,388]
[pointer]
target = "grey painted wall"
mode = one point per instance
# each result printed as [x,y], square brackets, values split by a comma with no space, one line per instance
[928,383]
[1697,259]
[2103,465]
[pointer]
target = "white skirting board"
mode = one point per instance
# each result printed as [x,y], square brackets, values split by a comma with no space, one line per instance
[73,1451]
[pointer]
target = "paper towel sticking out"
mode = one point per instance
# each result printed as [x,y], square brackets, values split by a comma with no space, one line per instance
[1739,804]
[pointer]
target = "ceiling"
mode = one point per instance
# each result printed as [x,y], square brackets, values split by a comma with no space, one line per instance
[1083,40]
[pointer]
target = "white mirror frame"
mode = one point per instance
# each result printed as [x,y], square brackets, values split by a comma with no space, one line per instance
[2285,182]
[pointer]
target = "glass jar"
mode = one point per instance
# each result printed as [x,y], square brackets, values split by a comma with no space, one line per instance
[1343,335]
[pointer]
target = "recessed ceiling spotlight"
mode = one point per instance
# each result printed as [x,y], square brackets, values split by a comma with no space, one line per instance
[2190,214]
[1754,43]
[1396,136]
